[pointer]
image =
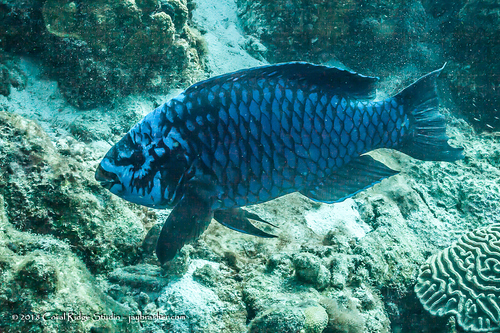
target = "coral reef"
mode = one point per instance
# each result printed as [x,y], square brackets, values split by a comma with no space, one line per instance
[68,246]
[11,76]
[100,51]
[430,208]
[373,37]
[114,48]
[36,270]
[463,280]
[47,192]
[310,270]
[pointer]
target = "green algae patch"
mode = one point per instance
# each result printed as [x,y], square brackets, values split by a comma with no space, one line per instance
[47,193]
[44,287]
[103,50]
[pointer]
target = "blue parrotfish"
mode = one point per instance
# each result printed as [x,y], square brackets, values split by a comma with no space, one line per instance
[253,135]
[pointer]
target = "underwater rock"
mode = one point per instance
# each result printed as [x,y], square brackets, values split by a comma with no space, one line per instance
[259,293]
[464,280]
[47,285]
[270,296]
[279,319]
[48,193]
[21,26]
[206,275]
[102,50]
[341,265]
[201,305]
[310,270]
[307,317]
[144,277]
[178,11]
[37,274]
[281,264]
[373,37]
[147,6]
[342,319]
[11,75]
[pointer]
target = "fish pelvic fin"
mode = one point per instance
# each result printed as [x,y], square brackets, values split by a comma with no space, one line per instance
[238,219]
[187,221]
[426,139]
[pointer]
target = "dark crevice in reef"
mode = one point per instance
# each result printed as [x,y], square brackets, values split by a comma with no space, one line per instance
[406,314]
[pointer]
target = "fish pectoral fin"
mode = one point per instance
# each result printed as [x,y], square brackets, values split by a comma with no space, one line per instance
[359,174]
[238,219]
[187,221]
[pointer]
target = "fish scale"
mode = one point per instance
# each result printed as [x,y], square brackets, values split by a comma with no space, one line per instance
[266,114]
[254,135]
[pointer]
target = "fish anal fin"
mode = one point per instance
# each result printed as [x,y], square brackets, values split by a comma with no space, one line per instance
[359,174]
[238,219]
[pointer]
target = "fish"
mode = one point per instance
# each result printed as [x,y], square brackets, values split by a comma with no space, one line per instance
[253,135]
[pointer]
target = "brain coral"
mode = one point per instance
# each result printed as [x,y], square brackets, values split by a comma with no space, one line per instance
[464,280]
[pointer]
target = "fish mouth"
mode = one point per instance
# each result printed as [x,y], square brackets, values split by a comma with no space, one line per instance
[105,178]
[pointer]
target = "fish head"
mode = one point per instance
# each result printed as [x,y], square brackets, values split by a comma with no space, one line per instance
[144,170]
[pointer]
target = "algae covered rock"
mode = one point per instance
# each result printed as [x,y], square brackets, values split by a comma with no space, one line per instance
[44,287]
[177,10]
[310,270]
[214,308]
[307,317]
[279,319]
[374,36]
[48,193]
[21,25]
[39,274]
[102,50]
[11,75]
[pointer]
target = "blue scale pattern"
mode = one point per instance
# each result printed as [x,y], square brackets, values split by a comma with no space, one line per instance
[267,137]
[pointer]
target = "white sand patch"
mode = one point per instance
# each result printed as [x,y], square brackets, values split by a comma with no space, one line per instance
[224,36]
[340,215]
[42,101]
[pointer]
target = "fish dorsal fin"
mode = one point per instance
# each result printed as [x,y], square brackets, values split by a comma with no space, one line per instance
[359,174]
[333,79]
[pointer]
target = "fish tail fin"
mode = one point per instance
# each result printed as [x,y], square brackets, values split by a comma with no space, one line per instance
[426,138]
